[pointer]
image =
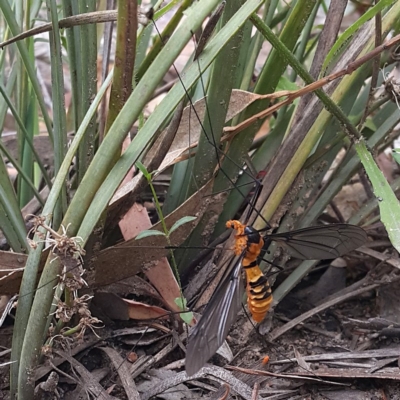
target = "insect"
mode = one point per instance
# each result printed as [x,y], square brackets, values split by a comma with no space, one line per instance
[319,242]
[311,243]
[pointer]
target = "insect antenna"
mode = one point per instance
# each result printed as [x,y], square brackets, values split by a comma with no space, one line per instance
[210,138]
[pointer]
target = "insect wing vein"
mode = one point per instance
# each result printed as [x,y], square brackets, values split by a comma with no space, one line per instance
[321,242]
[210,332]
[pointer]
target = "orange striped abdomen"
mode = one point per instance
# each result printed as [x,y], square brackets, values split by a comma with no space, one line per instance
[259,294]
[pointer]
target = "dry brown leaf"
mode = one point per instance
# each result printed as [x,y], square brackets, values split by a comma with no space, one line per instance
[137,310]
[300,360]
[128,258]
[133,285]
[160,274]
[190,128]
[11,269]
[118,308]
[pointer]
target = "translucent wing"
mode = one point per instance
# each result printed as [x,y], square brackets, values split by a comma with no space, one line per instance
[321,242]
[210,332]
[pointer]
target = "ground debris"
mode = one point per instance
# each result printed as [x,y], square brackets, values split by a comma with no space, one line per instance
[47,390]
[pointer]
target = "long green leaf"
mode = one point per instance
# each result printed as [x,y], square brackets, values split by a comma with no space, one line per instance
[388,203]
[59,117]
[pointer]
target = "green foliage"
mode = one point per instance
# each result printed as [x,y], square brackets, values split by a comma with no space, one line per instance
[187,316]
[180,222]
[147,233]
[396,155]
[389,205]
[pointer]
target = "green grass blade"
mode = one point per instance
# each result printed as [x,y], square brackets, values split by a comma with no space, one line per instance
[59,116]
[21,172]
[30,69]
[388,203]
[11,222]
[26,137]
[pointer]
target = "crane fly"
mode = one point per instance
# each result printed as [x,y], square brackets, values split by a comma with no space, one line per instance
[313,243]
[322,242]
